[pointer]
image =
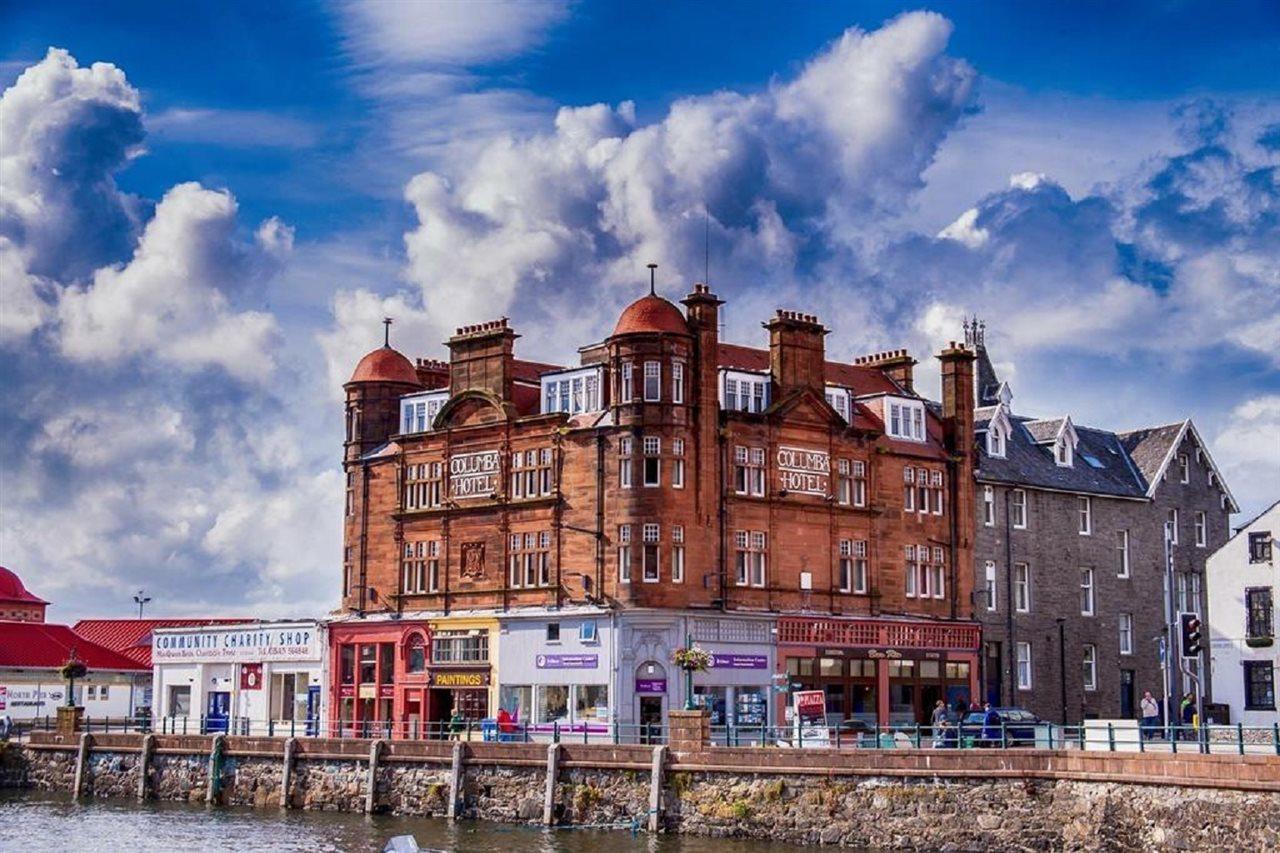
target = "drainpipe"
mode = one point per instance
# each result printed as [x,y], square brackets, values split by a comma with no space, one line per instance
[598,593]
[364,536]
[953,495]
[721,468]
[1062,665]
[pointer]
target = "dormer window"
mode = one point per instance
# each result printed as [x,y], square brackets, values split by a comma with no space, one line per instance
[840,401]
[741,391]
[905,419]
[995,441]
[418,411]
[572,392]
[1063,453]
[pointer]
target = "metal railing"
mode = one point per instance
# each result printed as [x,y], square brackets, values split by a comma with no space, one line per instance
[1092,736]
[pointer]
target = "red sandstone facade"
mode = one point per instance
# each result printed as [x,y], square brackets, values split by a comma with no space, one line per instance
[671,470]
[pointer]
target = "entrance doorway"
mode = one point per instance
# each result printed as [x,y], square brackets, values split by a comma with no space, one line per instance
[651,719]
[994,668]
[217,711]
[1126,694]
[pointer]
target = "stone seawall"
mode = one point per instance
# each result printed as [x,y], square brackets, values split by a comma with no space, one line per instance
[908,799]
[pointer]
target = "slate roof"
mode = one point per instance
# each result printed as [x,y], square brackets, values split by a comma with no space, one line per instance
[1029,459]
[1149,447]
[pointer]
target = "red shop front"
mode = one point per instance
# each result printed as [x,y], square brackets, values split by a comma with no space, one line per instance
[880,671]
[378,673]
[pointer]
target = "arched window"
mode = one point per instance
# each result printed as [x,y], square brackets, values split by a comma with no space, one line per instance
[416,653]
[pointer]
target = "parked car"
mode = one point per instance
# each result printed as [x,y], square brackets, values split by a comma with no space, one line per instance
[1019,727]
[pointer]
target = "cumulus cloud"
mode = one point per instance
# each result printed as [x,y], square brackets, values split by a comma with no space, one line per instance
[777,182]
[171,299]
[1248,450]
[357,329]
[67,130]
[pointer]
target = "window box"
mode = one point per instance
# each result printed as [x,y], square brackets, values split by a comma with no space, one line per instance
[1260,642]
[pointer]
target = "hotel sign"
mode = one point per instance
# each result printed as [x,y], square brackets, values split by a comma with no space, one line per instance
[256,644]
[804,471]
[474,475]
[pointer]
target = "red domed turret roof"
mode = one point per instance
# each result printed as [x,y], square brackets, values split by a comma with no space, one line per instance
[651,314]
[11,589]
[385,365]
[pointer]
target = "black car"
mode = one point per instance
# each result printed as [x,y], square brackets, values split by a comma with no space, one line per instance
[1019,727]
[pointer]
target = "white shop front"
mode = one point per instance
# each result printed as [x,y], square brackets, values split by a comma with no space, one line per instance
[248,678]
[555,670]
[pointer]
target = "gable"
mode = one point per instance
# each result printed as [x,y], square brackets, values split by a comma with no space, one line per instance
[804,405]
[472,408]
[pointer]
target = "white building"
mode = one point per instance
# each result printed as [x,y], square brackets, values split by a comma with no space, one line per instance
[1242,578]
[248,678]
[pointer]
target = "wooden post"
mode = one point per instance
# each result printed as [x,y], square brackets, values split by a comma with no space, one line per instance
[455,781]
[286,772]
[655,788]
[371,795]
[144,765]
[216,748]
[553,775]
[82,761]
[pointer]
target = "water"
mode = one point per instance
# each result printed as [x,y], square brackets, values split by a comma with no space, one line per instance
[33,822]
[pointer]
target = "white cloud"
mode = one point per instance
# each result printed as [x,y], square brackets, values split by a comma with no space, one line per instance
[22,309]
[232,128]
[172,298]
[357,329]
[447,32]
[567,219]
[1247,448]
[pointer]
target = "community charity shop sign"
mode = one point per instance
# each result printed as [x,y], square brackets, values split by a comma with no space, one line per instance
[260,643]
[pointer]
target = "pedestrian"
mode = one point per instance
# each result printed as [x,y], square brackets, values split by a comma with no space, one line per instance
[940,716]
[990,725]
[6,727]
[1188,708]
[1150,715]
[456,724]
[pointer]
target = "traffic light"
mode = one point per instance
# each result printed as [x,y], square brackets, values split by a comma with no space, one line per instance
[1192,638]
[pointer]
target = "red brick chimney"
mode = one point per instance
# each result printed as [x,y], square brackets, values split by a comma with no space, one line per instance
[797,352]
[897,364]
[480,359]
[432,373]
[957,424]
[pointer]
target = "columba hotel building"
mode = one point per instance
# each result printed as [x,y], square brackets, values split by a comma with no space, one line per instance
[541,538]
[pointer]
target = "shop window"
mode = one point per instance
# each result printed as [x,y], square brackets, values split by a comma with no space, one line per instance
[387,662]
[347,663]
[831,667]
[368,663]
[417,654]
[179,701]
[516,700]
[958,671]
[591,701]
[553,703]
[553,632]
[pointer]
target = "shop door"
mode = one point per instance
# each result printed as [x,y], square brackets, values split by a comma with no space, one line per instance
[313,710]
[651,719]
[217,712]
[1126,694]
[995,674]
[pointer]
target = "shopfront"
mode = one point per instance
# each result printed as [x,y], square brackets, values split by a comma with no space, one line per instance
[252,678]
[556,669]
[735,689]
[405,677]
[879,671]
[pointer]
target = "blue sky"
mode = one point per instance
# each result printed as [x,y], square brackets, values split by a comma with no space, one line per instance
[201,236]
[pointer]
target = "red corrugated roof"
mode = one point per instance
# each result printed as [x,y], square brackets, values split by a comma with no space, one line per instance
[863,380]
[132,637]
[42,645]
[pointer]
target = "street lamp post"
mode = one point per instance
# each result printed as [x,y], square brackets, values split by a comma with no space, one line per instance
[141,599]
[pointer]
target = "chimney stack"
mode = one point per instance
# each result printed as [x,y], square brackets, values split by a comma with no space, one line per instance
[480,359]
[897,364]
[797,352]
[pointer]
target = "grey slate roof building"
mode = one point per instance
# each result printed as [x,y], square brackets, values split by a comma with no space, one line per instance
[1069,558]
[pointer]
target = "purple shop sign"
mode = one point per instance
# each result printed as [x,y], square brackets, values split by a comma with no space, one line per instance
[567,661]
[651,685]
[739,662]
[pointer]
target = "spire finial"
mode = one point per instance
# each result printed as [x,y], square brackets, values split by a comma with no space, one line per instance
[386,332]
[653,271]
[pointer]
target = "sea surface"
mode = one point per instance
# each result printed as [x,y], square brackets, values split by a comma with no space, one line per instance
[32,822]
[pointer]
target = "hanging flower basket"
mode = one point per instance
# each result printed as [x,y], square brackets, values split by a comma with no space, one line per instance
[692,659]
[73,669]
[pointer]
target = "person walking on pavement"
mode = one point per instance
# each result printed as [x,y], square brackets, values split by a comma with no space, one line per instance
[940,716]
[1150,715]
[990,726]
[456,724]
[1188,714]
